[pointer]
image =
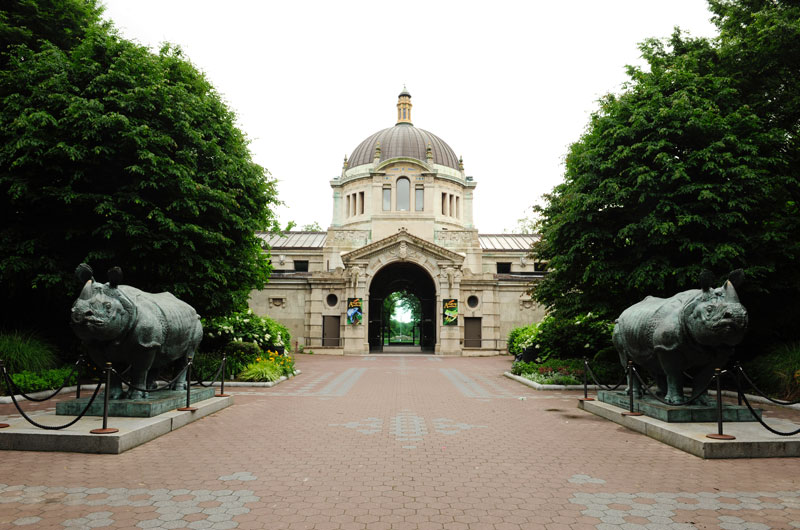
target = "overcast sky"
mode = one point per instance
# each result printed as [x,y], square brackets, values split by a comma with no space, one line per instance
[508,85]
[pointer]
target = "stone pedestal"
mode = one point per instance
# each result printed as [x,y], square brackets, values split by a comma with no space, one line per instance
[153,405]
[673,414]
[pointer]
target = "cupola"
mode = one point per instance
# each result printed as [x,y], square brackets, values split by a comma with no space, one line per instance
[404,107]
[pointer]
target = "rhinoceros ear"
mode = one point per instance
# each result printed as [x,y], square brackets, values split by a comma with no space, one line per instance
[706,279]
[736,278]
[83,273]
[114,276]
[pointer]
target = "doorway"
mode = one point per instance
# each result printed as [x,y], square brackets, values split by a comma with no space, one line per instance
[402,309]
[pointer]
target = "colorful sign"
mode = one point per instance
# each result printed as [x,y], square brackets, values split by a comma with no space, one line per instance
[355,312]
[450,311]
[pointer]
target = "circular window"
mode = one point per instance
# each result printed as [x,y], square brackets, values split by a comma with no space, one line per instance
[332,300]
[472,301]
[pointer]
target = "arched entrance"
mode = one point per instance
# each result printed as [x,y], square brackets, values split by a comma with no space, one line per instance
[414,280]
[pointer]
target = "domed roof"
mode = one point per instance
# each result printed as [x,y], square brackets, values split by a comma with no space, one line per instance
[404,140]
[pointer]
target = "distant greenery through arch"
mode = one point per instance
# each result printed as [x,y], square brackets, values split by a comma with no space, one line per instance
[402,314]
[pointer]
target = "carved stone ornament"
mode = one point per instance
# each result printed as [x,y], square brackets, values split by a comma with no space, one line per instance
[350,236]
[277,301]
[526,304]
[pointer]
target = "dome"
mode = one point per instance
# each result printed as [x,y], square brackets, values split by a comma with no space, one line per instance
[404,140]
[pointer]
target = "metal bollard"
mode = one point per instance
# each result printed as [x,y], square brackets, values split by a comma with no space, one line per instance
[107,391]
[585,382]
[188,406]
[737,370]
[719,435]
[222,380]
[630,411]
[2,373]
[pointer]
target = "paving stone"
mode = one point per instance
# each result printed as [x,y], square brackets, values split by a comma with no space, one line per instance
[333,449]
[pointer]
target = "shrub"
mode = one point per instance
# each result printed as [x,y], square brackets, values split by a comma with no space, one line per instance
[777,373]
[573,338]
[244,326]
[606,372]
[239,356]
[28,381]
[269,368]
[26,352]
[520,337]
[206,364]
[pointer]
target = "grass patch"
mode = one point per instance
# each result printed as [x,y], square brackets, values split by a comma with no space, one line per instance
[25,351]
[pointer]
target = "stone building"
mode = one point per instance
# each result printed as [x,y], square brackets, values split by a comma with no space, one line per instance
[402,220]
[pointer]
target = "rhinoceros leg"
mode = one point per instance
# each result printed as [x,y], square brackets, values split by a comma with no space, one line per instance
[671,364]
[180,383]
[140,366]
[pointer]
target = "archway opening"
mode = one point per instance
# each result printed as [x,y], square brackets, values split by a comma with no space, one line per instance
[407,292]
[402,319]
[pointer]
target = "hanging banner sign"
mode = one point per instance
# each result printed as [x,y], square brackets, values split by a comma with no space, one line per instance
[355,312]
[450,311]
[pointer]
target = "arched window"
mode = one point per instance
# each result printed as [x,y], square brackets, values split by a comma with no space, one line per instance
[403,192]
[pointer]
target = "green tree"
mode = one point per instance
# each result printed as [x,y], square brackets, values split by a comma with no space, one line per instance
[61,23]
[678,173]
[117,156]
[312,227]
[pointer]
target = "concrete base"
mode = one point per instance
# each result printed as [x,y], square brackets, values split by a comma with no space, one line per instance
[155,404]
[22,436]
[752,440]
[674,414]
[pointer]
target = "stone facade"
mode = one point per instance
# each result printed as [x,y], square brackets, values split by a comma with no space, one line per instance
[401,221]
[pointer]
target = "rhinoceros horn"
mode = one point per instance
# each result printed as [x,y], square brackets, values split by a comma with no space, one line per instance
[86,292]
[730,292]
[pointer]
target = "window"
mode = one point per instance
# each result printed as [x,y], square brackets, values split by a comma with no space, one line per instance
[301,265]
[503,268]
[472,301]
[458,208]
[403,190]
[332,300]
[387,199]
[444,204]
[361,202]
[419,199]
[348,206]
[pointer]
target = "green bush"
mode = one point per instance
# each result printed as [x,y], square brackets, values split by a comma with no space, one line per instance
[564,338]
[244,326]
[206,364]
[28,381]
[261,371]
[608,373]
[26,351]
[519,337]
[777,373]
[239,355]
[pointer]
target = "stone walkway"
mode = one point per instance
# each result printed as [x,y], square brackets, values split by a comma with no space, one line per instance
[398,442]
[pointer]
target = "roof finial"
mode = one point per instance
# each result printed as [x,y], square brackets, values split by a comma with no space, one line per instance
[429,153]
[461,163]
[377,151]
[404,107]
[344,166]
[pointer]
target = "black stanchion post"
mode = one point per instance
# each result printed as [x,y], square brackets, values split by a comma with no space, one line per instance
[222,379]
[2,374]
[106,392]
[188,406]
[585,382]
[737,374]
[719,435]
[631,375]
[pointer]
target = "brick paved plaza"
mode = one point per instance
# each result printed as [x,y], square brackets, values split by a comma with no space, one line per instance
[398,442]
